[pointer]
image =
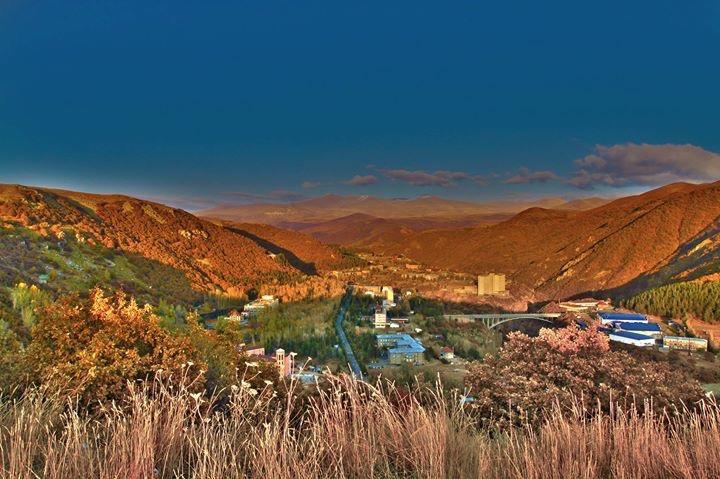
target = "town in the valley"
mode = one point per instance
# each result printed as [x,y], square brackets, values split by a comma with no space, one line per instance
[402,332]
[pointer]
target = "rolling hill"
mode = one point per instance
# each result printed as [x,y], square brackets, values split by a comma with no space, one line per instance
[668,234]
[663,234]
[211,256]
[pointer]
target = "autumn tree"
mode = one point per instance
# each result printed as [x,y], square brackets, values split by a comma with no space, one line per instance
[92,347]
[572,368]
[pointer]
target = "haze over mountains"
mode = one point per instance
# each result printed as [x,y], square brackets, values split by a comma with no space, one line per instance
[668,233]
[360,220]
[330,207]
[556,247]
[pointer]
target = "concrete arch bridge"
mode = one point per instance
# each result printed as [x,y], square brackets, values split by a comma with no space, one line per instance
[494,320]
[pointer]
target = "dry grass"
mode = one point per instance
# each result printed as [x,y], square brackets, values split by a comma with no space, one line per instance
[349,430]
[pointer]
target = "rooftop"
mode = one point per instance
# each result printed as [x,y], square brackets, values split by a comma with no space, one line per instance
[639,326]
[630,335]
[622,316]
[685,338]
[402,343]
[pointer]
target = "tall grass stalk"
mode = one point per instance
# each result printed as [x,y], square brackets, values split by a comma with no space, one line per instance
[349,430]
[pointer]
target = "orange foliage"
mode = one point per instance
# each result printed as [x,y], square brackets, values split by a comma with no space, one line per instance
[91,348]
[306,288]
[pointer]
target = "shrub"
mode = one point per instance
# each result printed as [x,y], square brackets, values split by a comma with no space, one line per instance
[569,367]
[92,347]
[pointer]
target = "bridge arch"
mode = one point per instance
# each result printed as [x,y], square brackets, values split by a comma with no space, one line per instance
[494,320]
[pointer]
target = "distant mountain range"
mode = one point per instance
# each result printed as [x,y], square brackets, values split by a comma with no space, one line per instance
[332,207]
[362,221]
[556,247]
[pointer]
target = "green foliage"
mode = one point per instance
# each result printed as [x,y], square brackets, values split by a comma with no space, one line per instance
[172,318]
[305,327]
[434,308]
[10,353]
[72,266]
[679,300]
[429,308]
[364,346]
[25,299]
[90,348]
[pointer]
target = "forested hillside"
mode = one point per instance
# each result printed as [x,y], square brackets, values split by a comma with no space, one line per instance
[213,258]
[561,254]
[678,300]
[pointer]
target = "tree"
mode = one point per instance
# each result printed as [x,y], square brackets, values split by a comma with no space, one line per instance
[92,347]
[679,300]
[25,300]
[569,367]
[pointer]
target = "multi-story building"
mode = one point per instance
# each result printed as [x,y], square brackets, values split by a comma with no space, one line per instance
[389,293]
[265,302]
[401,348]
[686,344]
[491,284]
[285,362]
[380,317]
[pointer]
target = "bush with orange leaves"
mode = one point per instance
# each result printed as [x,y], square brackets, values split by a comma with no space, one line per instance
[91,348]
[572,368]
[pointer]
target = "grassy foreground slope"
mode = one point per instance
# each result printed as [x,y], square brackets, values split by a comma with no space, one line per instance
[350,430]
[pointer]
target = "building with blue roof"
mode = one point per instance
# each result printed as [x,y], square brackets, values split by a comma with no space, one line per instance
[613,317]
[401,348]
[649,329]
[628,337]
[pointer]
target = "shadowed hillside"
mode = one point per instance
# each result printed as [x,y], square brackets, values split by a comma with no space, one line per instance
[302,251]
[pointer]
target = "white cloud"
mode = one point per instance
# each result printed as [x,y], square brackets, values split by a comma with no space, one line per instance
[526,176]
[443,178]
[361,180]
[649,165]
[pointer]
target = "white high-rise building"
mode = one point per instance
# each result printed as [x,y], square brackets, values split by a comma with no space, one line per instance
[380,317]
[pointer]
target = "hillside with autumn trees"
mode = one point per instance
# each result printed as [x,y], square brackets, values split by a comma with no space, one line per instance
[212,257]
[665,235]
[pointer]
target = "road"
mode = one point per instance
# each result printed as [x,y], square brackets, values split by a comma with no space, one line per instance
[344,343]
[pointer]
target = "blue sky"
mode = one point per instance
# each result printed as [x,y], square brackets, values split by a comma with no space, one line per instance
[191,102]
